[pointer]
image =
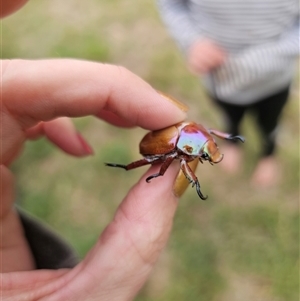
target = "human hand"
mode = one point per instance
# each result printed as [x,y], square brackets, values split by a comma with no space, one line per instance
[10,6]
[204,56]
[35,94]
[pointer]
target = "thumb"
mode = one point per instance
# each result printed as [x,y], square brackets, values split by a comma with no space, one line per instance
[129,246]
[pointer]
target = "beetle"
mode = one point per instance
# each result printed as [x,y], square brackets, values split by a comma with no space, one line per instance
[185,141]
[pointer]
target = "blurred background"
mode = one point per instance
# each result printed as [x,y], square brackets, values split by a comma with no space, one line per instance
[240,244]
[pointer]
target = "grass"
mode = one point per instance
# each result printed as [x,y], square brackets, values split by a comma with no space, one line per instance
[241,244]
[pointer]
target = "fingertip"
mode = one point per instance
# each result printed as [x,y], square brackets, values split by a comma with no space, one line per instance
[62,133]
[154,199]
[147,212]
[181,106]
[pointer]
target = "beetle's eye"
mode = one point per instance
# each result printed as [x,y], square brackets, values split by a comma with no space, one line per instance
[205,156]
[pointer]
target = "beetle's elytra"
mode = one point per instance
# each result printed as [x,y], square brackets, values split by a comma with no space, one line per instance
[185,141]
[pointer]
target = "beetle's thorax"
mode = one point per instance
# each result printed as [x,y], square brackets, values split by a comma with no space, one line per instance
[192,138]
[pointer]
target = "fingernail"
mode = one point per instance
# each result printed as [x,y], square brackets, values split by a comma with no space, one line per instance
[181,183]
[175,101]
[87,149]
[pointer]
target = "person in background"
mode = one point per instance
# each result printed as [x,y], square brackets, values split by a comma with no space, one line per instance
[36,99]
[246,53]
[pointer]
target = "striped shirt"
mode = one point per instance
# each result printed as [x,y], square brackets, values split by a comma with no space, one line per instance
[261,38]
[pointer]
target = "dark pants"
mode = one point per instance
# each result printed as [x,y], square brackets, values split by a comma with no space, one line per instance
[267,112]
[49,250]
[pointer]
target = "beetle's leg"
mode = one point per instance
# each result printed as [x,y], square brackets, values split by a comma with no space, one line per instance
[226,136]
[191,178]
[134,164]
[163,168]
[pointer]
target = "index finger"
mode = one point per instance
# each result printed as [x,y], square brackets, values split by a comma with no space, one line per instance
[43,90]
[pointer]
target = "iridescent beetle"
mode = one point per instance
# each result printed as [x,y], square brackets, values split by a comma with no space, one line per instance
[185,141]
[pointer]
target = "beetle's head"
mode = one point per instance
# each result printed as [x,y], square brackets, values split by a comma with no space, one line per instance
[211,152]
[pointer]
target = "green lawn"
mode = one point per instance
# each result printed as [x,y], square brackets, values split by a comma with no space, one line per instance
[241,244]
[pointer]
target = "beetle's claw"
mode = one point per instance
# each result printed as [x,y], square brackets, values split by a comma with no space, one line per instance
[202,197]
[235,138]
[116,165]
[152,176]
